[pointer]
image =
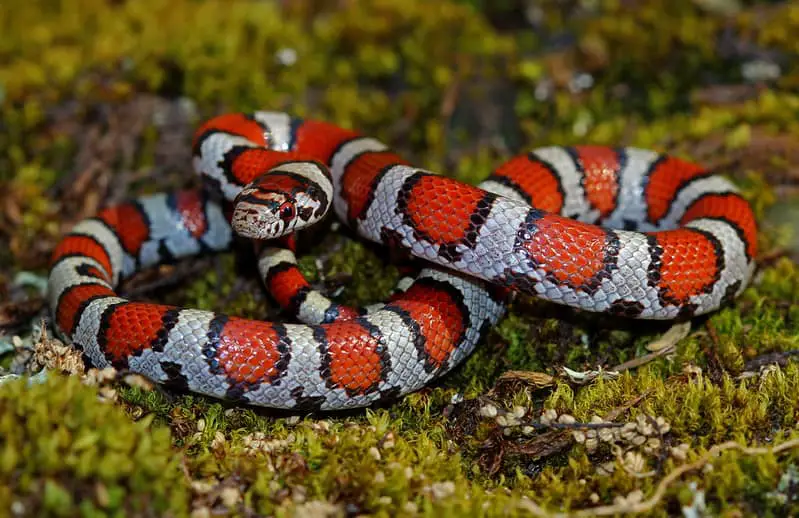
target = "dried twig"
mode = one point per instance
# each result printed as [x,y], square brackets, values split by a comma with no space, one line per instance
[662,346]
[780,358]
[660,491]
[17,314]
[560,437]
[715,369]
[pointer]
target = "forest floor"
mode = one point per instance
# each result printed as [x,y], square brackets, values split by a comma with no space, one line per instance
[99,100]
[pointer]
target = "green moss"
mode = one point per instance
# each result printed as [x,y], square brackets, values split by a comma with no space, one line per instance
[362,274]
[216,290]
[64,453]
[456,94]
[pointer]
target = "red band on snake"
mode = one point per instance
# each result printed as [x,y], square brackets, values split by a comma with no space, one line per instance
[623,231]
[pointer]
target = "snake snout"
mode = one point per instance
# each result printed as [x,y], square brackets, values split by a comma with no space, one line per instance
[256,221]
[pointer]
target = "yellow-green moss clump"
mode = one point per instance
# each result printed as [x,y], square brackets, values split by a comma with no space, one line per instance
[64,453]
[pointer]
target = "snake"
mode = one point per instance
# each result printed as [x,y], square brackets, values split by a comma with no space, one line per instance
[620,231]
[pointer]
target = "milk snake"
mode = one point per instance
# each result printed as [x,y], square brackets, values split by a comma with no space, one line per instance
[541,224]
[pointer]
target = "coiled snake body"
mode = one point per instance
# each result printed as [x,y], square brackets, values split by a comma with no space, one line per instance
[543,224]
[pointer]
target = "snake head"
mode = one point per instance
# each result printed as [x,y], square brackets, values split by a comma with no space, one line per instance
[276,204]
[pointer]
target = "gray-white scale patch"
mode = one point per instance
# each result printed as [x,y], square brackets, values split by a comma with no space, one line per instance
[279,128]
[121,262]
[88,329]
[219,234]
[685,197]
[407,371]
[271,257]
[382,213]
[372,308]
[148,363]
[166,229]
[631,203]
[502,190]
[304,371]
[736,268]
[337,399]
[212,152]
[65,275]
[312,310]
[185,344]
[494,251]
[575,203]
[629,281]
[404,283]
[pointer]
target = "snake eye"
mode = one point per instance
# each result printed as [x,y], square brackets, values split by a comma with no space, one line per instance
[286,211]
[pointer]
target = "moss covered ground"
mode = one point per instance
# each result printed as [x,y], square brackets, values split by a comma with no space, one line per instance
[557,411]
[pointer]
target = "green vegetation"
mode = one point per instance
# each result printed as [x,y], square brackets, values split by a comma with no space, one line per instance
[99,100]
[63,452]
